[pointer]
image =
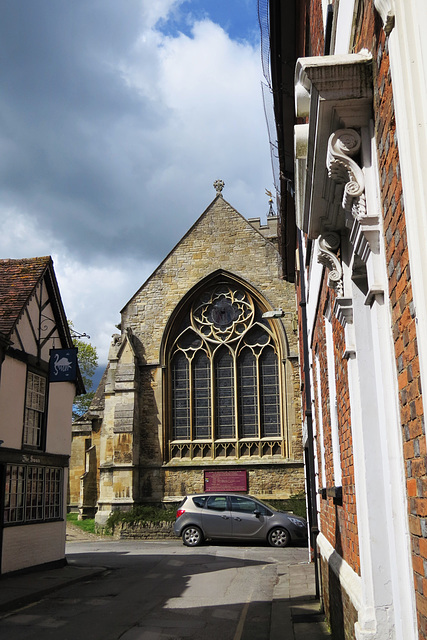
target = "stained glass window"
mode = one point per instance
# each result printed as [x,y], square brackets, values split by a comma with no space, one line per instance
[248,394]
[224,397]
[180,396]
[201,395]
[269,387]
[224,376]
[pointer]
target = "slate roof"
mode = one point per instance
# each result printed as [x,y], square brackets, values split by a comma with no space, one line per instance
[18,279]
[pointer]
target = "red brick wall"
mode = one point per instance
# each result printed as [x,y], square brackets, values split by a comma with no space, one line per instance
[337,522]
[340,523]
[315,43]
[372,36]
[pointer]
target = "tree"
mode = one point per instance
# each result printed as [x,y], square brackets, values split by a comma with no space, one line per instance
[88,361]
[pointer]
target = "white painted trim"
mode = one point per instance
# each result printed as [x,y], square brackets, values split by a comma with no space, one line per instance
[330,354]
[344,27]
[349,580]
[313,290]
[408,63]
[318,415]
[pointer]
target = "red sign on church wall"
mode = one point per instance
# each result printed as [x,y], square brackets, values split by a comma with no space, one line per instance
[226,481]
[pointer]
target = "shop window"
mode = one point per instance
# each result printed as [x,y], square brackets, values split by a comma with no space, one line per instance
[33,494]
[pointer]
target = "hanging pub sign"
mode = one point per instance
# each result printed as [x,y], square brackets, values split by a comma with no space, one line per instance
[63,365]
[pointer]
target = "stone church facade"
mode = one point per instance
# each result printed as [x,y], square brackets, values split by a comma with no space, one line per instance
[198,380]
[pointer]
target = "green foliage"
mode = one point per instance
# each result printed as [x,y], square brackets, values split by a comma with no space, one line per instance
[86,525]
[295,503]
[141,515]
[88,361]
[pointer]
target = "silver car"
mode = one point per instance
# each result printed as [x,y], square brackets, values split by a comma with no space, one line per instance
[233,516]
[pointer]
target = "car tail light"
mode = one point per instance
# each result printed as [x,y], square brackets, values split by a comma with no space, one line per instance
[180,512]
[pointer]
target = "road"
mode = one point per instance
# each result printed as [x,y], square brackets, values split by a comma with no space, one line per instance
[159,591]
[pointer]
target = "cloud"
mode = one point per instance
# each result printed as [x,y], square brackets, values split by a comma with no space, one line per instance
[87,291]
[114,127]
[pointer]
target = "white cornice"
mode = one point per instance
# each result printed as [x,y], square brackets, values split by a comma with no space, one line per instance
[335,92]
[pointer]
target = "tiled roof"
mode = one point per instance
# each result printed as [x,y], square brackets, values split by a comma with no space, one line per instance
[18,279]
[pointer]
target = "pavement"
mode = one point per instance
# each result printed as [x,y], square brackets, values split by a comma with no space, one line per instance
[296,613]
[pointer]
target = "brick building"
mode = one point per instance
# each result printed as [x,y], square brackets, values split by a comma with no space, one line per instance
[198,380]
[356,195]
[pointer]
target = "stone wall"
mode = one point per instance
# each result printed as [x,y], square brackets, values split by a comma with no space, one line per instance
[147,531]
[84,466]
[278,481]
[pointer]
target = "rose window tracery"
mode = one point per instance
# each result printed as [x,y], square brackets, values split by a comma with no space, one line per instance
[224,379]
[222,313]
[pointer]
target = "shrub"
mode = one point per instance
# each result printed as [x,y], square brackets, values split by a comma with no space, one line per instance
[140,515]
[295,503]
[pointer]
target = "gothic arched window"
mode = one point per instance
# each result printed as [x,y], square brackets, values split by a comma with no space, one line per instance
[224,379]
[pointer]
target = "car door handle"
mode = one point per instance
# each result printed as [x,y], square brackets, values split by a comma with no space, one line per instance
[238,519]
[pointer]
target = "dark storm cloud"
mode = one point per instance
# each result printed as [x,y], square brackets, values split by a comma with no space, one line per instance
[72,131]
[113,127]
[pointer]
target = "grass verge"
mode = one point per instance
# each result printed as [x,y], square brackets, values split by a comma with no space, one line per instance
[87,525]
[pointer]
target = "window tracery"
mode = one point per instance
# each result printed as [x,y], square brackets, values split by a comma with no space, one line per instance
[225,380]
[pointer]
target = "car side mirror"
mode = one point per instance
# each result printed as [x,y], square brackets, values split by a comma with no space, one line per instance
[257,513]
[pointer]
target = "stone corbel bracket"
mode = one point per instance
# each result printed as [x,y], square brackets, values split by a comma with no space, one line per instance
[343,145]
[328,244]
[343,311]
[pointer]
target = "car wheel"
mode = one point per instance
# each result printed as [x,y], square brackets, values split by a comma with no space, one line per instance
[278,537]
[192,536]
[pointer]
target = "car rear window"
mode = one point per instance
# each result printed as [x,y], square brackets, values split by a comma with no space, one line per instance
[200,501]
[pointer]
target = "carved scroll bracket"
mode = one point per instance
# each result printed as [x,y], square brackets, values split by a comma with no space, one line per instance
[328,244]
[343,145]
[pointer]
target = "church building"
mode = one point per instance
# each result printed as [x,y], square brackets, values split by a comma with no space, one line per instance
[202,385]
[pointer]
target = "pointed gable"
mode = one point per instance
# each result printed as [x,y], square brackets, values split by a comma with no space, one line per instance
[219,228]
[32,317]
[18,279]
[220,240]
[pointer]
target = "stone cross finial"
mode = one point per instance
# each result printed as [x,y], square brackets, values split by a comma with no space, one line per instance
[219,186]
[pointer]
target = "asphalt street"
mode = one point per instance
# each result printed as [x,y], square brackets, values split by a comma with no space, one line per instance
[161,590]
[152,590]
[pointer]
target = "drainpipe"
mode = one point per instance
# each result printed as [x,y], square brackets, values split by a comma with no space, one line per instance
[309,449]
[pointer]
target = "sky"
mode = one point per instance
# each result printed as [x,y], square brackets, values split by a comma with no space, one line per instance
[116,117]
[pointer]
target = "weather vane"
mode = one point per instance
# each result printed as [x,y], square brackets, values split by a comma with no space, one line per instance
[219,186]
[270,202]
